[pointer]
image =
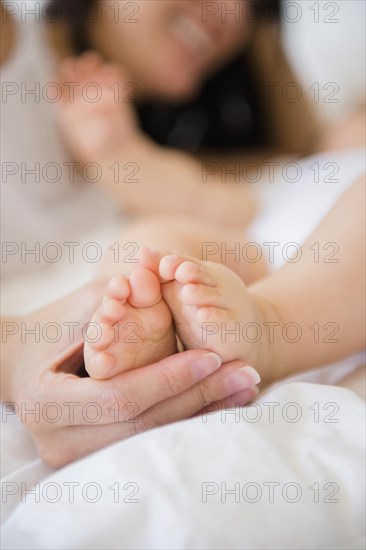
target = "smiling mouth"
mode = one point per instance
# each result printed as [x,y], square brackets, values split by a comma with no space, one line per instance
[196,40]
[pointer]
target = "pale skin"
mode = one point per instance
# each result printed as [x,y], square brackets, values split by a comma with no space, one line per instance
[134,322]
[35,374]
[203,295]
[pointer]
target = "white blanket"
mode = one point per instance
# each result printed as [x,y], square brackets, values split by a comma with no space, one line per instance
[287,472]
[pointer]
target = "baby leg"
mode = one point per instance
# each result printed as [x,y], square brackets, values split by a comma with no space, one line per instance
[201,240]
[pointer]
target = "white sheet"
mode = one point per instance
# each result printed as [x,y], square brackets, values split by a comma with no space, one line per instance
[296,195]
[311,462]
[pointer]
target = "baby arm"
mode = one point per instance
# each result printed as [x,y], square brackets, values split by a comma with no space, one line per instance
[327,300]
[307,314]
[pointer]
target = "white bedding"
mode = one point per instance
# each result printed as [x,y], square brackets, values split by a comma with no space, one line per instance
[315,467]
[169,465]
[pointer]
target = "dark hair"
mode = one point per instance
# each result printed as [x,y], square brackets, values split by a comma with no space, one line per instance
[226,114]
[73,13]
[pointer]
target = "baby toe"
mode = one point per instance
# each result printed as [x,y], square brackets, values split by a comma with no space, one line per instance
[145,288]
[111,311]
[168,266]
[209,314]
[100,365]
[189,272]
[149,259]
[99,336]
[118,288]
[201,295]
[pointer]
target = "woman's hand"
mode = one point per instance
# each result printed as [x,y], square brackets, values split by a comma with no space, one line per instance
[74,416]
[77,416]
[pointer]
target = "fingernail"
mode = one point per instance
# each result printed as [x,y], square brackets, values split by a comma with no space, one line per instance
[206,365]
[252,373]
[242,379]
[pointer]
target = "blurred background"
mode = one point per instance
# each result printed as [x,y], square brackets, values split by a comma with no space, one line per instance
[326,44]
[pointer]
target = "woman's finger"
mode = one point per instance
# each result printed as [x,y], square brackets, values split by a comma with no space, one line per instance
[64,399]
[232,378]
[59,447]
[71,442]
[239,399]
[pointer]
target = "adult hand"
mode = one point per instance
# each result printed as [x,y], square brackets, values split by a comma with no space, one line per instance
[73,416]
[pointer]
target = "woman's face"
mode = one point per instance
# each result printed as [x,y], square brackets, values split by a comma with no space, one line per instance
[168,47]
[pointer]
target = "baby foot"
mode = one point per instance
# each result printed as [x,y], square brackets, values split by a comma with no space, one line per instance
[210,305]
[95,117]
[132,328]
